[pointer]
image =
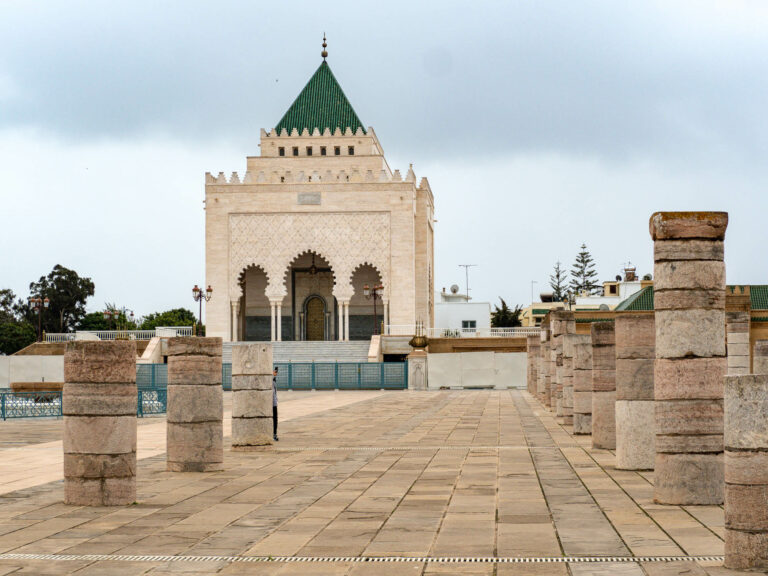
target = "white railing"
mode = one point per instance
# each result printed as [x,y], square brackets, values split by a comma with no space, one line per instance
[160,331]
[410,330]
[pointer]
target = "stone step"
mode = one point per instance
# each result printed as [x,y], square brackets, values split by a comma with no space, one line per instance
[311,351]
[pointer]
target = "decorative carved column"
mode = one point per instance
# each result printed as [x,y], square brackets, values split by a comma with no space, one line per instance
[346,321]
[233,332]
[272,333]
[280,322]
[340,320]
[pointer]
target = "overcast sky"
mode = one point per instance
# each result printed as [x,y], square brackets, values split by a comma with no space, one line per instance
[540,125]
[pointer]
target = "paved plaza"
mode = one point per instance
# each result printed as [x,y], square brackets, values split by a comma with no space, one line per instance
[415,477]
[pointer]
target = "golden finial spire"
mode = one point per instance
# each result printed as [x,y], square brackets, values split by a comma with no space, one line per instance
[324,53]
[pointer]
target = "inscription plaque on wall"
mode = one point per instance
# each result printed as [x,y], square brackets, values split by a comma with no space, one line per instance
[310,198]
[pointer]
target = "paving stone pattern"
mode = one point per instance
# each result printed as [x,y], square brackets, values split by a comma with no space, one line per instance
[402,474]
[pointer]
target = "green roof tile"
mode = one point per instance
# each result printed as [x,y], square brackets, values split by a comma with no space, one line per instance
[321,104]
[758,295]
[639,301]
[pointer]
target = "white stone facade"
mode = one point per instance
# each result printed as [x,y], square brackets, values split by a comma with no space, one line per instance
[363,223]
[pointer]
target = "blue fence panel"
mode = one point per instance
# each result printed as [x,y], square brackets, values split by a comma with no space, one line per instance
[29,404]
[394,375]
[152,402]
[226,376]
[348,376]
[325,375]
[151,376]
[301,376]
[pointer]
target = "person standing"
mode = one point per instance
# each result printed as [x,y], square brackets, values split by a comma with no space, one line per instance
[274,404]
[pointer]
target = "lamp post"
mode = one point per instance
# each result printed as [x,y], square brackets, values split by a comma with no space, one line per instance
[198,294]
[374,293]
[115,315]
[569,299]
[38,305]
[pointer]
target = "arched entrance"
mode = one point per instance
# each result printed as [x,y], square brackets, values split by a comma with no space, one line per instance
[314,318]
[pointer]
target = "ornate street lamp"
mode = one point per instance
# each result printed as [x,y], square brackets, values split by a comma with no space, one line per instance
[569,299]
[374,293]
[199,295]
[39,305]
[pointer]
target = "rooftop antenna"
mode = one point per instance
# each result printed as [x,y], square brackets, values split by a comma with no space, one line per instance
[324,53]
[466,272]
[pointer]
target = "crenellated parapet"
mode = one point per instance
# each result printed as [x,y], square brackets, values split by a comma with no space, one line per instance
[313,177]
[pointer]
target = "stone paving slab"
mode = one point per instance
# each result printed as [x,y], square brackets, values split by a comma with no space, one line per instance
[396,474]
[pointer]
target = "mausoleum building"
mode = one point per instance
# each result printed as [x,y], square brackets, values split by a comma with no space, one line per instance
[319,215]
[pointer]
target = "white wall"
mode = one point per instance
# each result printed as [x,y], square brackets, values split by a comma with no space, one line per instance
[464,369]
[450,314]
[31,369]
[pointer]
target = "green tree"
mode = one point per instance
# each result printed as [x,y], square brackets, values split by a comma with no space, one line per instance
[67,293]
[16,335]
[505,317]
[175,317]
[93,321]
[557,282]
[583,273]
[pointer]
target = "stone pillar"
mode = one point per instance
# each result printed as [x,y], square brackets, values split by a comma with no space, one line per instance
[251,395]
[235,305]
[346,321]
[543,372]
[737,317]
[272,333]
[568,341]
[603,385]
[760,357]
[195,433]
[279,322]
[635,426]
[561,322]
[746,472]
[582,383]
[417,370]
[689,303]
[385,316]
[99,408]
[534,353]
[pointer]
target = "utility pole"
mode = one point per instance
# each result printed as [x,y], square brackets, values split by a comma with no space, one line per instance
[466,272]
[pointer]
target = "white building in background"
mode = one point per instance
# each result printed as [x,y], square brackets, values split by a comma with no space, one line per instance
[455,312]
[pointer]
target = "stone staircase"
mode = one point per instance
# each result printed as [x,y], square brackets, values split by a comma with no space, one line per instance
[311,351]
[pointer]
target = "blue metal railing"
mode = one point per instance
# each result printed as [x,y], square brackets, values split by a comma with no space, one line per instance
[152,402]
[152,383]
[342,375]
[29,404]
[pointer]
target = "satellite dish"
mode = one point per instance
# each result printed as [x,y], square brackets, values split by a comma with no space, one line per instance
[604,307]
[618,278]
[455,289]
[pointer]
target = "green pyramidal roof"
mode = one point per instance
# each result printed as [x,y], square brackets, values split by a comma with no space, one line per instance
[321,104]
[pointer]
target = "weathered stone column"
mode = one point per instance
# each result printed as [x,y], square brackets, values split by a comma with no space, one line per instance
[99,408]
[582,384]
[543,376]
[534,352]
[689,303]
[603,385]
[635,353]
[561,323]
[195,432]
[760,357]
[746,472]
[251,395]
[737,318]
[569,340]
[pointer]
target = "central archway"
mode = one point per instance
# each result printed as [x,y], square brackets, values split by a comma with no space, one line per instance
[314,319]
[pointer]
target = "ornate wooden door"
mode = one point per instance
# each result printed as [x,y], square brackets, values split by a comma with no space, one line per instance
[315,319]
